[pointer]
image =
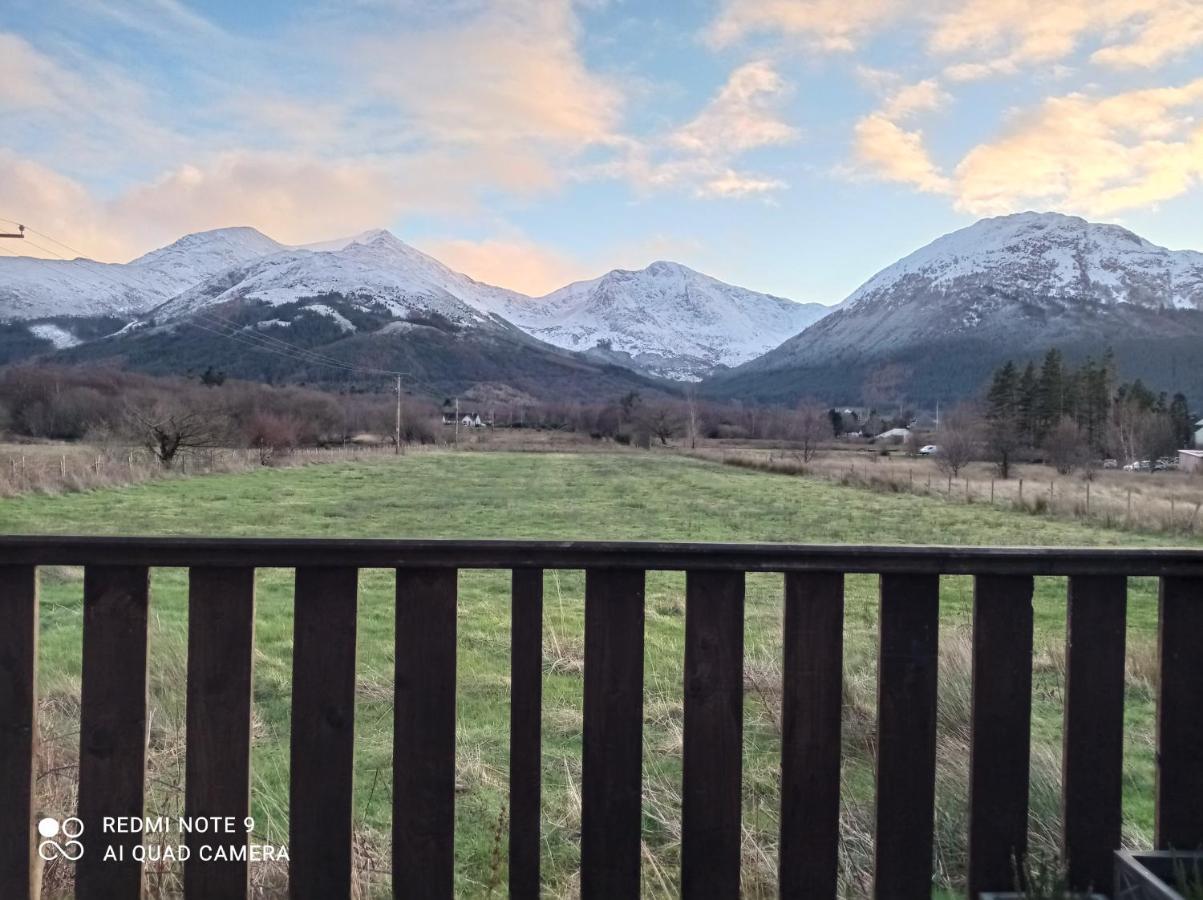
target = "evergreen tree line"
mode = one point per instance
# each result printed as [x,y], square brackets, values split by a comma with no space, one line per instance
[1084,412]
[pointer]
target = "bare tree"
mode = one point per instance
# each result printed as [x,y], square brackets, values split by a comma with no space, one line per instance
[1139,434]
[957,440]
[270,433]
[660,420]
[1065,446]
[812,425]
[167,431]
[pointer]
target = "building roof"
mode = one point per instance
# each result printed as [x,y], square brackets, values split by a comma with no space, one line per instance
[1198,453]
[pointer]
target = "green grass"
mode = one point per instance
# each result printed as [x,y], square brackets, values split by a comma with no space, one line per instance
[628,496]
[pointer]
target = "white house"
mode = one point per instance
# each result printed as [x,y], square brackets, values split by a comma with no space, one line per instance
[1199,434]
[895,435]
[1190,460]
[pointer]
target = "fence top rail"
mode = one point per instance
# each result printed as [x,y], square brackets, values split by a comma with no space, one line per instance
[511,554]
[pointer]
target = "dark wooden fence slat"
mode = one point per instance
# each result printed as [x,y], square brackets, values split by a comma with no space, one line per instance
[1001,720]
[812,694]
[611,759]
[221,624]
[1093,750]
[632,555]
[906,744]
[18,726]
[424,735]
[526,754]
[323,733]
[713,735]
[112,721]
[1180,715]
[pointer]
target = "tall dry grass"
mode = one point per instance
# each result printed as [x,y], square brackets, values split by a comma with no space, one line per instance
[1157,503]
[50,469]
[57,769]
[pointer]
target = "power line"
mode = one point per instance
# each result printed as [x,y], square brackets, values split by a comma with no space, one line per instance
[66,247]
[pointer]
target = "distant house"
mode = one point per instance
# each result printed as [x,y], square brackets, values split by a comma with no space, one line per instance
[1199,434]
[1190,460]
[466,419]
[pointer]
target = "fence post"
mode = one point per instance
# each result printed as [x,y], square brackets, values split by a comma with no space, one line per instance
[1021,492]
[1129,506]
[1087,498]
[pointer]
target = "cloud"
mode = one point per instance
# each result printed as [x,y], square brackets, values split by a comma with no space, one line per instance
[889,152]
[979,38]
[508,72]
[743,115]
[1097,156]
[830,25]
[907,101]
[884,149]
[703,154]
[54,204]
[517,263]
[1001,37]
[1092,155]
[292,198]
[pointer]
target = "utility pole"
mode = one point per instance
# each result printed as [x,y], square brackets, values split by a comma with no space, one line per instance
[397,427]
[19,233]
[457,421]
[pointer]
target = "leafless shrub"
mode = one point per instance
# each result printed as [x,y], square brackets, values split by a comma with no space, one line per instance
[957,440]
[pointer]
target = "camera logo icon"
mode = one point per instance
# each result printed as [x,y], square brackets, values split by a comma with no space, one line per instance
[51,830]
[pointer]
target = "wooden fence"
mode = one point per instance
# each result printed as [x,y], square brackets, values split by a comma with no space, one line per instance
[220,652]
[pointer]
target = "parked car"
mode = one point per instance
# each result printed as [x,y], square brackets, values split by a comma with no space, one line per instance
[929,450]
[1110,464]
[1140,465]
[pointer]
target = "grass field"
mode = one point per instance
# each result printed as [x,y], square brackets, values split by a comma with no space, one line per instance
[567,496]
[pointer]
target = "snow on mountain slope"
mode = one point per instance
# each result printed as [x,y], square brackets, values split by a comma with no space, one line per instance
[1006,287]
[198,256]
[33,288]
[1046,255]
[667,319]
[373,269]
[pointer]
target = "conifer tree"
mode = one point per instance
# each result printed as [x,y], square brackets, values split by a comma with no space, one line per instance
[1050,394]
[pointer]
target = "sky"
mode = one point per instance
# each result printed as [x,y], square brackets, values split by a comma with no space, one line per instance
[790,146]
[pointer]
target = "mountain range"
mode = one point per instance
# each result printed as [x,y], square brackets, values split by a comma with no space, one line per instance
[376,303]
[936,323]
[931,326]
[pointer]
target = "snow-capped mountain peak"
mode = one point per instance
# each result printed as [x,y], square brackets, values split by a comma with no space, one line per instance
[205,253]
[40,288]
[1049,255]
[666,319]
[1008,287]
